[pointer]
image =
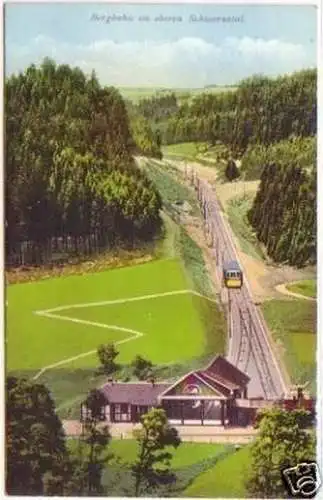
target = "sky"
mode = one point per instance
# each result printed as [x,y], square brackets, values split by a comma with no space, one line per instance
[132,45]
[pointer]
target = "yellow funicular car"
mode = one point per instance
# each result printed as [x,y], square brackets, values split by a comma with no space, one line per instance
[232,274]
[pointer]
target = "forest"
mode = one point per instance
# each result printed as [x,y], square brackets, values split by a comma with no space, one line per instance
[270,125]
[261,111]
[71,181]
[298,150]
[284,210]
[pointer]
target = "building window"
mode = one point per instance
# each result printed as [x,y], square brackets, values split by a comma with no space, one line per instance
[121,412]
[124,408]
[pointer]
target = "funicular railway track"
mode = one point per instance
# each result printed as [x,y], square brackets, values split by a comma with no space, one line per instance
[249,347]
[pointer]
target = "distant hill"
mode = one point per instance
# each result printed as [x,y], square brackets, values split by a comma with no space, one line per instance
[136,93]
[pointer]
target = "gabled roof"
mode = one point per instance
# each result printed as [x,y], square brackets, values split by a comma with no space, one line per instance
[195,384]
[219,380]
[140,393]
[220,367]
[216,384]
[172,386]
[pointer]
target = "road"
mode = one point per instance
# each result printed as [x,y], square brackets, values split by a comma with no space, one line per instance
[188,433]
[249,345]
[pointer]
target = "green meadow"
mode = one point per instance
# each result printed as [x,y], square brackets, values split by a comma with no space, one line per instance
[304,287]
[225,480]
[293,325]
[138,308]
[170,326]
[191,462]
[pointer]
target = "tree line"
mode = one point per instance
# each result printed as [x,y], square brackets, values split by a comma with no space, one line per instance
[159,106]
[71,181]
[261,110]
[298,150]
[284,210]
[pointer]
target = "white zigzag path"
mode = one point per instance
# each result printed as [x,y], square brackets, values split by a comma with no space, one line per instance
[48,313]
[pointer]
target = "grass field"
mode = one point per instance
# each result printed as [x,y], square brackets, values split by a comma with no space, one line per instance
[187,453]
[189,461]
[224,480]
[293,324]
[202,152]
[169,330]
[305,287]
[34,341]
[170,189]
[184,149]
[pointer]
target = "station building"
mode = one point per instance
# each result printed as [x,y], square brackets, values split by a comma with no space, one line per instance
[217,395]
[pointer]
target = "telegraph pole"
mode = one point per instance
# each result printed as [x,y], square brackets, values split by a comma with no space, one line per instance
[230,312]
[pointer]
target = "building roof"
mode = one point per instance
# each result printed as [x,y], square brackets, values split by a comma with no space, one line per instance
[221,368]
[140,393]
[212,379]
[195,384]
[217,384]
[219,379]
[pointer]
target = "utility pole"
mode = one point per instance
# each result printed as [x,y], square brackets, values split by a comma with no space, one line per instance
[230,311]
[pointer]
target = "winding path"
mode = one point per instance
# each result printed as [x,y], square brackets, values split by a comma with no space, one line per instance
[135,334]
[284,290]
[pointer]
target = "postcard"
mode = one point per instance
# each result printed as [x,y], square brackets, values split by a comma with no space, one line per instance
[161,250]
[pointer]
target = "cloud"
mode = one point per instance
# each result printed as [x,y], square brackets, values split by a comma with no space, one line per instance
[186,62]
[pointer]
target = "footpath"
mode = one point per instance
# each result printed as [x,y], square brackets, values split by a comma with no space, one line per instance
[188,433]
[283,289]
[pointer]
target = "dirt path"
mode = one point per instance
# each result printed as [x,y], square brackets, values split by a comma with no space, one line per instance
[189,433]
[282,289]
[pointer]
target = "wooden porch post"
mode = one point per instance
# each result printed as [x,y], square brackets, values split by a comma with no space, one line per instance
[182,411]
[202,411]
[112,412]
[222,413]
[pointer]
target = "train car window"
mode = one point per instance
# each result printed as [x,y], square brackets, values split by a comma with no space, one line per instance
[232,274]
